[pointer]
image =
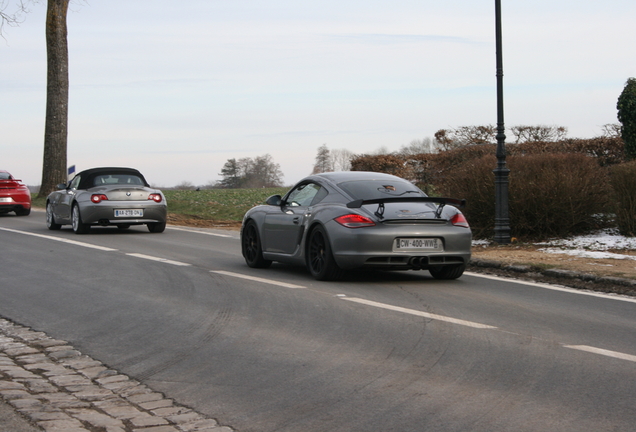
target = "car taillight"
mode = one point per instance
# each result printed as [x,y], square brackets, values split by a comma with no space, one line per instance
[97,198]
[354,221]
[155,197]
[459,220]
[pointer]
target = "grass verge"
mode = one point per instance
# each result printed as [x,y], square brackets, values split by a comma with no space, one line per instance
[223,205]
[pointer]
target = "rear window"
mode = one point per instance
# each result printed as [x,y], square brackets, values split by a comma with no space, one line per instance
[117,179]
[374,189]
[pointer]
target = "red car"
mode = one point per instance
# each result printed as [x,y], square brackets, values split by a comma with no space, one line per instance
[14,195]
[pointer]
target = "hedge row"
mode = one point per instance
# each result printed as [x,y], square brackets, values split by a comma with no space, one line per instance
[555,190]
[623,181]
[550,195]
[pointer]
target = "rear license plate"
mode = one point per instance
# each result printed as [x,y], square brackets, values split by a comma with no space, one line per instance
[411,244]
[129,213]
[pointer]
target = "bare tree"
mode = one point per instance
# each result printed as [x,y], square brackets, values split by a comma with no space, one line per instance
[425,145]
[14,17]
[265,172]
[612,130]
[341,159]
[56,124]
[323,160]
[465,135]
[539,133]
[261,171]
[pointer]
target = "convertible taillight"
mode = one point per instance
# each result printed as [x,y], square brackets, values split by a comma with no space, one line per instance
[354,221]
[460,220]
[97,198]
[155,197]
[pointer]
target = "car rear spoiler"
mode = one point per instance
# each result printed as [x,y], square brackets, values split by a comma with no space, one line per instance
[9,184]
[381,201]
[442,201]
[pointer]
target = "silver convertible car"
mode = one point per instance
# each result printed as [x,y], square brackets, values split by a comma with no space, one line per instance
[106,196]
[333,222]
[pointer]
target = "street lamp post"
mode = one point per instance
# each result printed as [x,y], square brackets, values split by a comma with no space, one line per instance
[502,221]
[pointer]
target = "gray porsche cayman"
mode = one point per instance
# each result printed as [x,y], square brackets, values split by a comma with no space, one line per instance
[333,222]
[106,196]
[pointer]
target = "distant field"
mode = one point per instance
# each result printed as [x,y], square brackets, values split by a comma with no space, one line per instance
[210,204]
[218,204]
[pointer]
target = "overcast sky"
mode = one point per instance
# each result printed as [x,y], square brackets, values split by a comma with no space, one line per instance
[176,89]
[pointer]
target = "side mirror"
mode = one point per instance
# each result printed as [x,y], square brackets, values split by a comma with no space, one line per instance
[61,186]
[274,200]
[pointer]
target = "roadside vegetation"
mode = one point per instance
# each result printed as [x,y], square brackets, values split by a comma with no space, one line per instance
[214,205]
[221,205]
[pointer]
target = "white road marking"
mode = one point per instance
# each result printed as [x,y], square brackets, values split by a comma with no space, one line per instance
[556,288]
[200,232]
[604,352]
[153,258]
[419,313]
[63,240]
[257,279]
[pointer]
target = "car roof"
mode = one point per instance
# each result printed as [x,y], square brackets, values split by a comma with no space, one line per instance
[87,176]
[341,176]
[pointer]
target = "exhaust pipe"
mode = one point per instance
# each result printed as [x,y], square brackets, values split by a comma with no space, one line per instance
[416,263]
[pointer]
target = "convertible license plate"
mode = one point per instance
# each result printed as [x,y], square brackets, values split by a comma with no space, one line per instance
[129,213]
[410,244]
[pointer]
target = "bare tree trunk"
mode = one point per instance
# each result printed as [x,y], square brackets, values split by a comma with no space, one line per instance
[56,126]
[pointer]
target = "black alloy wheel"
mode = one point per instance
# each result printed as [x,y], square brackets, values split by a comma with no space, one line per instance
[251,247]
[320,261]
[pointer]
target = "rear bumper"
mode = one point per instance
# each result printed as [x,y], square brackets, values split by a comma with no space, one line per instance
[373,246]
[13,203]
[13,207]
[101,215]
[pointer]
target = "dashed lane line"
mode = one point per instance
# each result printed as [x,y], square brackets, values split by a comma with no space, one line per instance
[201,232]
[604,352]
[63,240]
[154,258]
[419,313]
[257,279]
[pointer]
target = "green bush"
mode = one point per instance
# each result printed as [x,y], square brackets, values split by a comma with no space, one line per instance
[623,181]
[550,195]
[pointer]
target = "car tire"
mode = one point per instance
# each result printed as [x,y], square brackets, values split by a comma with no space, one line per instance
[157,227]
[320,261]
[23,211]
[79,227]
[50,218]
[252,248]
[447,272]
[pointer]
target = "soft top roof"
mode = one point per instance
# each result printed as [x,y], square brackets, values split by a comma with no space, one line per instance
[87,176]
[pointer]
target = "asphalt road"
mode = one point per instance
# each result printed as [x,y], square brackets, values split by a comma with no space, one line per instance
[376,352]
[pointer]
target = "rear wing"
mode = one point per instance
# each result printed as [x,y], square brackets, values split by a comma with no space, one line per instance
[461,203]
[10,183]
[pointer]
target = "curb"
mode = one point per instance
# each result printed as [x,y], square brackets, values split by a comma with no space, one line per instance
[565,277]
